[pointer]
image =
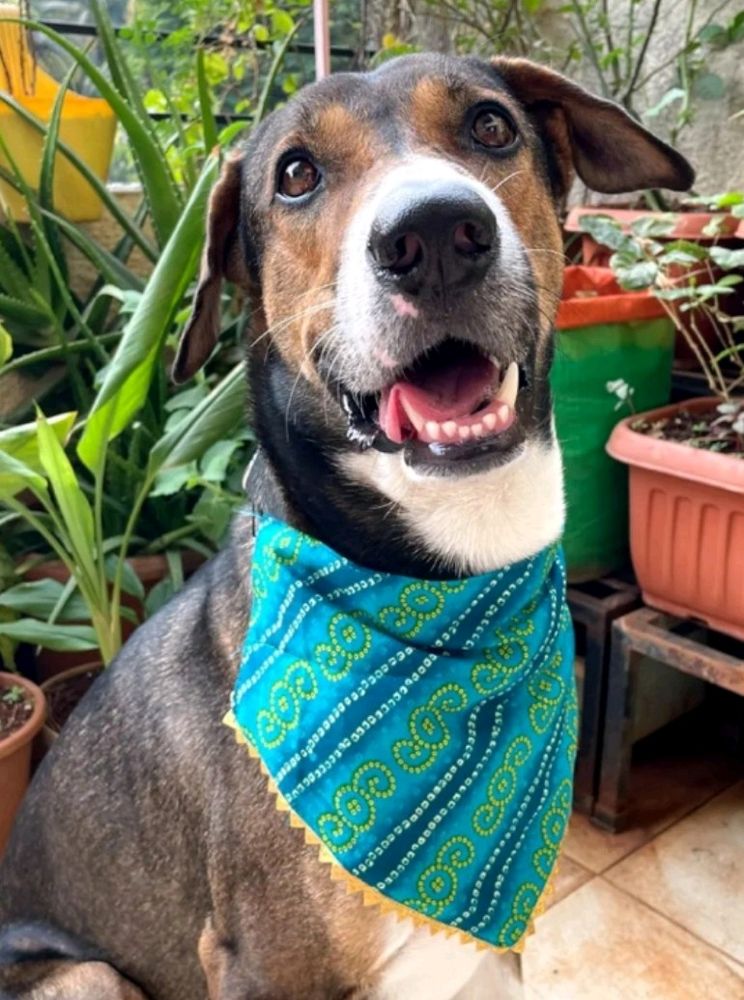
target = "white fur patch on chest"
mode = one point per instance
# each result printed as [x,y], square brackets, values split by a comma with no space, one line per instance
[476,523]
[419,965]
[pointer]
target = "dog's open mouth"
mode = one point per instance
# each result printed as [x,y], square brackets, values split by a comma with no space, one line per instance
[450,400]
[452,403]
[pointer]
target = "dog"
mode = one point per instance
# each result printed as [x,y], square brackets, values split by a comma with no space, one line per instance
[396,233]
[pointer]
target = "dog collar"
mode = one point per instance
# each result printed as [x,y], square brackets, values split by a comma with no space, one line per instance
[422,732]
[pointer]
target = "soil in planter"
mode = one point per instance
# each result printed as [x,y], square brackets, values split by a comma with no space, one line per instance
[713,431]
[64,697]
[16,708]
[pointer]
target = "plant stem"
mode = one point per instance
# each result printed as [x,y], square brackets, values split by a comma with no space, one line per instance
[54,353]
[585,36]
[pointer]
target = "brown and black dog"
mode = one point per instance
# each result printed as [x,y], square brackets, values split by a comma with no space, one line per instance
[398,237]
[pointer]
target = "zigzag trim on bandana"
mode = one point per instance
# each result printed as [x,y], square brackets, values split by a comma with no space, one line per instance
[371,897]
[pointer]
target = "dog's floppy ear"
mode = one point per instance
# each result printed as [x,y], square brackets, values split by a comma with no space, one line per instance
[223,257]
[598,139]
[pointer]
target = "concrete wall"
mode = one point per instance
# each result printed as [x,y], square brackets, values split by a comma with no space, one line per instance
[714,142]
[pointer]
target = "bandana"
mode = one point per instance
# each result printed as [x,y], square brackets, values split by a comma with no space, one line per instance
[421,732]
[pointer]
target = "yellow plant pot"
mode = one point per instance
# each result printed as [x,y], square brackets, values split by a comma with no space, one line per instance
[87,126]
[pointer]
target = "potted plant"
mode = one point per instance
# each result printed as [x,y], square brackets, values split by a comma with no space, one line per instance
[22,712]
[40,486]
[702,220]
[687,460]
[110,502]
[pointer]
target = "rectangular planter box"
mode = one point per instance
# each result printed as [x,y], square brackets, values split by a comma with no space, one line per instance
[686,523]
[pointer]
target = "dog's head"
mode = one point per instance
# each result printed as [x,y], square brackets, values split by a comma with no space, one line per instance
[398,233]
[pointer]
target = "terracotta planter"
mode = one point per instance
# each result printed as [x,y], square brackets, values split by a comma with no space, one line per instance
[15,757]
[67,687]
[150,570]
[686,523]
[687,226]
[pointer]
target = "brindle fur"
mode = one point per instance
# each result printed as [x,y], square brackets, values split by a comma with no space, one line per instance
[148,835]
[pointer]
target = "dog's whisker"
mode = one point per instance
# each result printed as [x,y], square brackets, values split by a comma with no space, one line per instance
[514,173]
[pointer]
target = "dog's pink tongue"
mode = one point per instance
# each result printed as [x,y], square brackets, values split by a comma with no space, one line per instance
[440,394]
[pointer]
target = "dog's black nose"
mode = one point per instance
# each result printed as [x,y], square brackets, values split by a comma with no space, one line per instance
[433,238]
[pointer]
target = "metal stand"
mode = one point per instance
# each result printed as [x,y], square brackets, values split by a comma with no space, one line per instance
[594,606]
[710,656]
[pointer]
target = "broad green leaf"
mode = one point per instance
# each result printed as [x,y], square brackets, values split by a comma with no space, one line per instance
[728,199]
[606,231]
[130,582]
[39,598]
[159,595]
[648,226]
[634,274]
[156,177]
[212,515]
[63,638]
[281,22]
[16,476]
[22,442]
[187,398]
[694,250]
[71,500]
[170,481]
[714,34]
[129,374]
[215,418]
[709,87]
[736,28]
[727,258]
[214,462]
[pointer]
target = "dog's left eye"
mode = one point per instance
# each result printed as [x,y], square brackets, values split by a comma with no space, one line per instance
[493,128]
[298,176]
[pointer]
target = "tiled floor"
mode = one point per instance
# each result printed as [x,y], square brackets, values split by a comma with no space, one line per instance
[656,913]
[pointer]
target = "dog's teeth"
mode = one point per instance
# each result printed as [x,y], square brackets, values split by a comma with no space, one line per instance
[433,430]
[477,430]
[509,386]
[450,428]
[490,420]
[464,432]
[503,413]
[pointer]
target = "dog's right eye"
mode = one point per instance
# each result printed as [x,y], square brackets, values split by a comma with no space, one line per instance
[298,176]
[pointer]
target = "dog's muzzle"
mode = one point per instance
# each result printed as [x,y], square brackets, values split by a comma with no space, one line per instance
[431,240]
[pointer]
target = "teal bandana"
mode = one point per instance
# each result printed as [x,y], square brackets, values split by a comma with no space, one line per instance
[422,732]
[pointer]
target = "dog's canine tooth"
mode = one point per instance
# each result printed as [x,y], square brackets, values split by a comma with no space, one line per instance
[434,430]
[503,412]
[510,386]
[490,420]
